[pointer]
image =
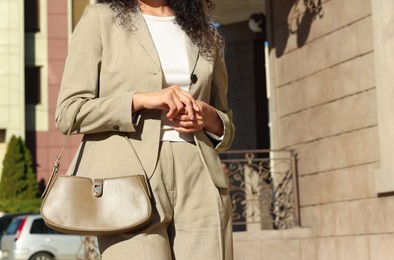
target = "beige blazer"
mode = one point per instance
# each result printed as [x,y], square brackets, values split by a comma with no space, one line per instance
[107,64]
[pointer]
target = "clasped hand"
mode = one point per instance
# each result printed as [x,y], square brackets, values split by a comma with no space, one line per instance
[184,111]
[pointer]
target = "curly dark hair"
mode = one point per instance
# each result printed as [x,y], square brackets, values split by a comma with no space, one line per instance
[194,17]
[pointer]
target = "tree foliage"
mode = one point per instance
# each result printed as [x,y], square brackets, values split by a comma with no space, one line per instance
[18,186]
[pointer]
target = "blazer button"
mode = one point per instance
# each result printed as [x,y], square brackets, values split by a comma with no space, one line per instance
[116,127]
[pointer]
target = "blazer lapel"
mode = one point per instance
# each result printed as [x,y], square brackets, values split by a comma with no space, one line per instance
[192,53]
[144,37]
[146,138]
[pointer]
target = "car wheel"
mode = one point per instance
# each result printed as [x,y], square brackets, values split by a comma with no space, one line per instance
[42,256]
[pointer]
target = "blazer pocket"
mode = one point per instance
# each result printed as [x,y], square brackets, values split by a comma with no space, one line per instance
[212,161]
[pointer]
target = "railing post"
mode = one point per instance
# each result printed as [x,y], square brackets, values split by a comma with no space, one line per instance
[295,188]
[90,253]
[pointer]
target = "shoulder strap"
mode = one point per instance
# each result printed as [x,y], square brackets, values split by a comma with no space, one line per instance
[56,166]
[69,132]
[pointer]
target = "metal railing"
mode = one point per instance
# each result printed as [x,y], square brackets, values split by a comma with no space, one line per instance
[263,188]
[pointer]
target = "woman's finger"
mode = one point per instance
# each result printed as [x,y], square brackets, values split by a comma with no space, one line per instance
[171,99]
[187,99]
[185,117]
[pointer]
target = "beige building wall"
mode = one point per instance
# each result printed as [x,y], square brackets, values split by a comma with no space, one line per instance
[332,99]
[12,109]
[232,11]
[75,10]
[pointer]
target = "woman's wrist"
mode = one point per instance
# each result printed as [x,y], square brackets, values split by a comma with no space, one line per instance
[137,103]
[213,124]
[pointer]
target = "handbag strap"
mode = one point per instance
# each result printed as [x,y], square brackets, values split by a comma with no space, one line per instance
[69,133]
[56,166]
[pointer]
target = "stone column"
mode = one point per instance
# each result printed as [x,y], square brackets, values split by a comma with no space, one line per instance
[383,33]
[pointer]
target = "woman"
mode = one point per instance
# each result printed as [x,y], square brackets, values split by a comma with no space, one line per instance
[154,69]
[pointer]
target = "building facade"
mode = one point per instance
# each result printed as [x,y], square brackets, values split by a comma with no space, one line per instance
[34,39]
[11,72]
[320,86]
[331,72]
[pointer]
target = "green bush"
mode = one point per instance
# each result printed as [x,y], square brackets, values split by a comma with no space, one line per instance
[23,206]
[18,186]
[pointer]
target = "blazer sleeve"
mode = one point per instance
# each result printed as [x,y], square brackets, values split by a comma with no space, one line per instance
[219,102]
[81,82]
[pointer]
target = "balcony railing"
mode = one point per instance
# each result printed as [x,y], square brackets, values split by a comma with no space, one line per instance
[263,188]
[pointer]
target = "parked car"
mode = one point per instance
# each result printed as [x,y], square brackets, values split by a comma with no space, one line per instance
[28,238]
[5,220]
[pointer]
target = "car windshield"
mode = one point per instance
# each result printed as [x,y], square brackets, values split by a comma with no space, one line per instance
[13,227]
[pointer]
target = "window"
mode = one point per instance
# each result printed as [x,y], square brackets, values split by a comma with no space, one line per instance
[32,16]
[39,227]
[13,227]
[33,85]
[2,136]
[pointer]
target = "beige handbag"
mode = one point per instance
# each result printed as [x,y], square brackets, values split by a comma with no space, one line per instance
[80,205]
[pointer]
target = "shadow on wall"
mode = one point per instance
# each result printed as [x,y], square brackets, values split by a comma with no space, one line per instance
[293,17]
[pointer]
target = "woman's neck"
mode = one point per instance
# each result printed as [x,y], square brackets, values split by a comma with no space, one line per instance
[156,8]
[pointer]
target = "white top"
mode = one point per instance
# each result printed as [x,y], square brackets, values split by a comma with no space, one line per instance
[169,40]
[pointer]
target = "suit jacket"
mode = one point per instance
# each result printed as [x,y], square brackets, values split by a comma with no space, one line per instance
[106,64]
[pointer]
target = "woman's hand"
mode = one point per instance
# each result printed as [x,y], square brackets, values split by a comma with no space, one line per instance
[188,115]
[206,118]
[174,99]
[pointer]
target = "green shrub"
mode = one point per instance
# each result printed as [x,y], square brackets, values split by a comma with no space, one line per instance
[18,186]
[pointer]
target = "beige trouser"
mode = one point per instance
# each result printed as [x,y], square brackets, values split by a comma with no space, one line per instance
[191,216]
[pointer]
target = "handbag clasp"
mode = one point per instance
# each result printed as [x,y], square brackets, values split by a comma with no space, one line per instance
[98,187]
